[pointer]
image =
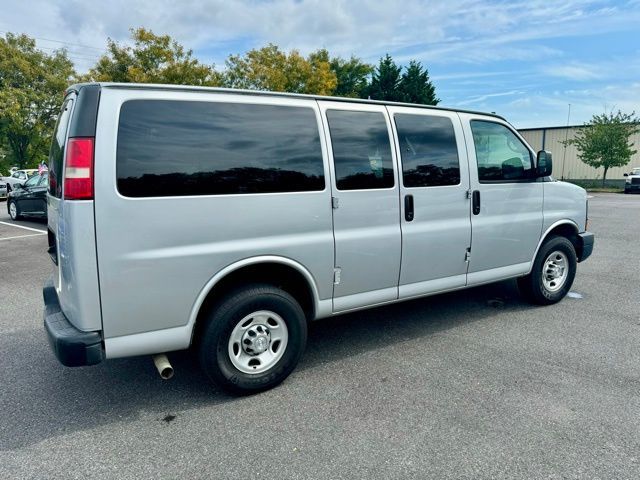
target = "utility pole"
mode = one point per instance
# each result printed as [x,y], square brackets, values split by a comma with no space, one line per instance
[566,137]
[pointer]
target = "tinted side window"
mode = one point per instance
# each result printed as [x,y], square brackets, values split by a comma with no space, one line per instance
[428,150]
[170,148]
[56,153]
[501,156]
[361,150]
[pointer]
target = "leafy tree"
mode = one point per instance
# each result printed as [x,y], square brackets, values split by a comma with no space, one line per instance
[352,76]
[415,86]
[31,87]
[152,59]
[604,141]
[385,81]
[269,68]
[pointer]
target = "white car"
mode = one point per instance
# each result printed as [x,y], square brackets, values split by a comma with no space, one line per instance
[632,181]
[3,188]
[19,176]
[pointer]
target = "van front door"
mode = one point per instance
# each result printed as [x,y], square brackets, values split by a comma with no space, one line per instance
[507,205]
[366,212]
[436,224]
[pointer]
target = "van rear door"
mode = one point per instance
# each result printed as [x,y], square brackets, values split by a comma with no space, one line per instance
[71,230]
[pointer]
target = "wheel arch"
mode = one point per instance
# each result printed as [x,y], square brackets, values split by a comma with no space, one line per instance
[283,272]
[564,228]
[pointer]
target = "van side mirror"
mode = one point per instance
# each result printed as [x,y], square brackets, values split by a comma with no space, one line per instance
[625,174]
[544,164]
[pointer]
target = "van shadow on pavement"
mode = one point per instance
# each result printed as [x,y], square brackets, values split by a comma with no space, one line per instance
[42,399]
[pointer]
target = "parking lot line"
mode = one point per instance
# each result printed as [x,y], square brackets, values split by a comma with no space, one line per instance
[23,236]
[21,226]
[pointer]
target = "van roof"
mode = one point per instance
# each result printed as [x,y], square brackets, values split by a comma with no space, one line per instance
[158,86]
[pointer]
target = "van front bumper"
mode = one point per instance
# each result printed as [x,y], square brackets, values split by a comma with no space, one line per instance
[586,240]
[73,348]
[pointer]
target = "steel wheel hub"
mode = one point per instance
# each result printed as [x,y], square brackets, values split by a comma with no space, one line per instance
[258,342]
[555,271]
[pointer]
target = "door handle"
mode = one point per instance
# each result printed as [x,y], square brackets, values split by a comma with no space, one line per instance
[408,208]
[476,202]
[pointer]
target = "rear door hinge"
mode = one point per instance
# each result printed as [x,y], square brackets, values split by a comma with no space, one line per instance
[469,193]
[335,203]
[467,255]
[336,275]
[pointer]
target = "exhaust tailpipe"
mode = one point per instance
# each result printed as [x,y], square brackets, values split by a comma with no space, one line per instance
[163,366]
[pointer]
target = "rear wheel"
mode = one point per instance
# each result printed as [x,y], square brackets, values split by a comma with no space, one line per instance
[553,272]
[14,211]
[253,339]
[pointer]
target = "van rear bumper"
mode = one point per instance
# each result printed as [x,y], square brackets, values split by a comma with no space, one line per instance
[72,347]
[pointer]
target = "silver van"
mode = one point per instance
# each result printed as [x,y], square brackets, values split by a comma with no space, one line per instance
[225,220]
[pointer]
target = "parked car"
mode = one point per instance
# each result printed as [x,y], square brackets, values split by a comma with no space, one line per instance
[19,176]
[632,181]
[3,188]
[29,199]
[224,221]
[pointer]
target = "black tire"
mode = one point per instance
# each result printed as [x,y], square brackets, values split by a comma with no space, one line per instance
[532,286]
[225,316]
[18,215]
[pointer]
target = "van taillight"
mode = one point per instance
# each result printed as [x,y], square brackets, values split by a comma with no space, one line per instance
[78,170]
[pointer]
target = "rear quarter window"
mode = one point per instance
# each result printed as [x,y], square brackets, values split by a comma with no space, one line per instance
[178,148]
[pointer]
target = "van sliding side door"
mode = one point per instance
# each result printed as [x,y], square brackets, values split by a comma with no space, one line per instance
[365,204]
[436,228]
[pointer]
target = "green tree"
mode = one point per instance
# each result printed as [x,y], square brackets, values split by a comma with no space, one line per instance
[385,81]
[31,87]
[604,141]
[415,86]
[352,76]
[152,59]
[269,68]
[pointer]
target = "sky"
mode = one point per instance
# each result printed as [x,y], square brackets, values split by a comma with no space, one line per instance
[527,60]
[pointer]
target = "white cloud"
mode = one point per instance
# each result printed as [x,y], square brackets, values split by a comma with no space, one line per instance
[574,71]
[504,56]
[464,30]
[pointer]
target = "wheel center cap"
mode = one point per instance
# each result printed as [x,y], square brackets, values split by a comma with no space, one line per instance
[256,340]
[260,344]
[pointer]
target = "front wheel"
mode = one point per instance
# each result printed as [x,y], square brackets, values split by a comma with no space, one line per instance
[553,272]
[253,339]
[14,212]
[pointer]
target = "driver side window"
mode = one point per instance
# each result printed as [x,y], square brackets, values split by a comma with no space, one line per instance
[500,154]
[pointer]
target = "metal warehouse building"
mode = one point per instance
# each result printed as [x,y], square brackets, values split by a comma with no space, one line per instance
[566,161]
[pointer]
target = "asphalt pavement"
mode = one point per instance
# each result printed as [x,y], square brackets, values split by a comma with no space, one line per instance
[473,384]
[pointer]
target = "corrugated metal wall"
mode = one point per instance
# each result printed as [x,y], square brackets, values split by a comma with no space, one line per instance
[567,164]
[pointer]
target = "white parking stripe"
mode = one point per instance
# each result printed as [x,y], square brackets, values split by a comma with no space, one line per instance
[20,226]
[23,236]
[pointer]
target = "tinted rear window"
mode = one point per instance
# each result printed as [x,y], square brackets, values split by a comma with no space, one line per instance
[169,148]
[56,153]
